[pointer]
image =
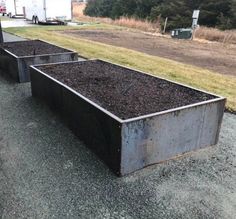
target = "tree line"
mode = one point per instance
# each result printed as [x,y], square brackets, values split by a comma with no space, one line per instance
[214,13]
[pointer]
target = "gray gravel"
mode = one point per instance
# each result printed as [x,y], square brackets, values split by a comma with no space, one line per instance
[47,172]
[9,37]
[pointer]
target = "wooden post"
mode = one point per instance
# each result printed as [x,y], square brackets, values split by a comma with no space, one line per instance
[24,12]
[193,34]
[72,8]
[1,35]
[165,25]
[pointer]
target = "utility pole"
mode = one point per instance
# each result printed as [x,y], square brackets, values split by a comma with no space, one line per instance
[1,36]
[165,25]
[195,21]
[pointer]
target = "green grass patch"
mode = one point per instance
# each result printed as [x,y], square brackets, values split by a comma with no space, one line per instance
[223,85]
[4,18]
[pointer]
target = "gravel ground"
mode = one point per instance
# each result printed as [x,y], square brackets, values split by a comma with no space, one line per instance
[9,37]
[46,172]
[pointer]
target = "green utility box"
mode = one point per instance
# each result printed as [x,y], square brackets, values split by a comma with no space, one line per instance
[182,33]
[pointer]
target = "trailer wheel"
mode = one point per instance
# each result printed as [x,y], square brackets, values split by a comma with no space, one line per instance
[36,20]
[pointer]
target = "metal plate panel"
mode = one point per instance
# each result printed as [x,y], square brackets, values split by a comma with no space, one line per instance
[9,65]
[100,132]
[163,137]
[25,62]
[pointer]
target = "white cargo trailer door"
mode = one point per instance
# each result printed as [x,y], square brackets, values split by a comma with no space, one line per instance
[40,9]
[3,3]
[19,7]
[35,8]
[10,7]
[60,9]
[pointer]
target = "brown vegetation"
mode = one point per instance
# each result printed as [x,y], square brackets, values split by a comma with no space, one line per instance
[78,9]
[213,34]
[137,24]
[143,25]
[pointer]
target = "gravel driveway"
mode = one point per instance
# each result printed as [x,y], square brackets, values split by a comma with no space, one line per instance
[16,23]
[9,37]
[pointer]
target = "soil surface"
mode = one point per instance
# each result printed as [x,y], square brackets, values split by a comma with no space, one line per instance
[33,47]
[214,56]
[126,93]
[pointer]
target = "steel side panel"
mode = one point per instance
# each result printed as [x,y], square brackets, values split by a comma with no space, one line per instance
[25,62]
[214,113]
[162,137]
[100,132]
[9,64]
[45,89]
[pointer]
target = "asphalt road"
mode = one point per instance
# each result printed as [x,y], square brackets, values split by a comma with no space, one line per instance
[47,172]
[13,22]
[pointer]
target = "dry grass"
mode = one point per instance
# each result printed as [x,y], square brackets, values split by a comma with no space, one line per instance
[143,25]
[213,34]
[4,18]
[78,8]
[137,24]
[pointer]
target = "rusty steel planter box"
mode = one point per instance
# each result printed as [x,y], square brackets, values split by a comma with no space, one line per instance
[17,67]
[132,144]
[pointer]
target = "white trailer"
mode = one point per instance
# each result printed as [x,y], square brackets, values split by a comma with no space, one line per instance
[15,8]
[48,11]
[3,7]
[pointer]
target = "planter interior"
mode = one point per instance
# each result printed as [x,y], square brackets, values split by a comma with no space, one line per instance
[16,57]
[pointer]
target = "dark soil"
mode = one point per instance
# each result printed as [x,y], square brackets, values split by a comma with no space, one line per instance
[126,93]
[218,57]
[33,47]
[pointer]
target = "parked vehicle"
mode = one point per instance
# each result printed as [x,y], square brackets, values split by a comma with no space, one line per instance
[48,11]
[15,8]
[3,7]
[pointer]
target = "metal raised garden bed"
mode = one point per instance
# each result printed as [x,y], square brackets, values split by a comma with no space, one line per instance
[129,144]
[17,65]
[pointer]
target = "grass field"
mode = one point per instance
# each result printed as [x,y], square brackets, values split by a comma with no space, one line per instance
[223,85]
[4,18]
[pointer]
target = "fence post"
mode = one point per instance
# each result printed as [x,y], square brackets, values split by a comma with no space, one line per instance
[1,35]
[164,31]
